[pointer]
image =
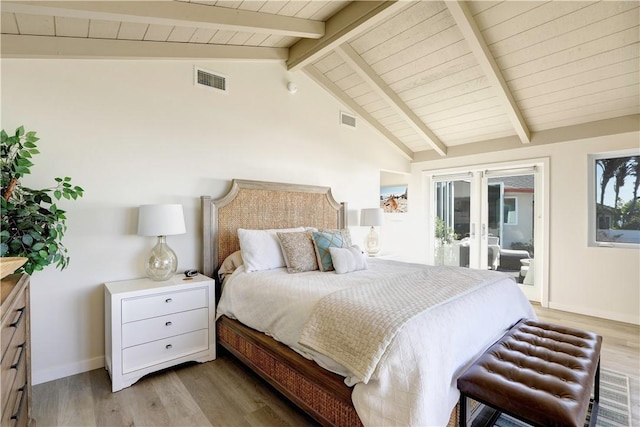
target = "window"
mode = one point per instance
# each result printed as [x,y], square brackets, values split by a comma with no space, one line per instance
[614,206]
[510,211]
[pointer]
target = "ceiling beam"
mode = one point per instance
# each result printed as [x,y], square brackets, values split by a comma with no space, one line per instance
[383,90]
[348,102]
[174,13]
[353,19]
[467,25]
[14,46]
[600,128]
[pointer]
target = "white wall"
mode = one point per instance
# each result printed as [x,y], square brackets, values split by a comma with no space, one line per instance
[597,281]
[135,132]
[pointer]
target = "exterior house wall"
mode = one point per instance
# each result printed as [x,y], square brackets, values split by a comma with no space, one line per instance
[522,231]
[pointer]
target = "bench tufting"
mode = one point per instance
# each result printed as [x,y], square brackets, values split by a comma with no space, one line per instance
[539,373]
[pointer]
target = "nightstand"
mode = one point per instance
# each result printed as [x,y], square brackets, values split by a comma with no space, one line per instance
[151,326]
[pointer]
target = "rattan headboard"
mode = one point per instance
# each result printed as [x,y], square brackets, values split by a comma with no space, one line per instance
[262,205]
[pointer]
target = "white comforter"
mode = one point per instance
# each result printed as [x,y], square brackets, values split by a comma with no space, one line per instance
[415,380]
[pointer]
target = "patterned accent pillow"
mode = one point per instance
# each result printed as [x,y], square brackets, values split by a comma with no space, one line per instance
[322,241]
[346,260]
[298,251]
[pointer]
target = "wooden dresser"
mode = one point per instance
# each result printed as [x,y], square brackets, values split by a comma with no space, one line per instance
[15,377]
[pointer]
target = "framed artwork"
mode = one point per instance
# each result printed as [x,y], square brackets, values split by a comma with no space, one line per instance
[394,199]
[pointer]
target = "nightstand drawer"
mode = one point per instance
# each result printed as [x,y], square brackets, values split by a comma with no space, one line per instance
[142,331]
[153,353]
[134,309]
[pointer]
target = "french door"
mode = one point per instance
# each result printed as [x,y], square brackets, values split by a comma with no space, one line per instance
[492,217]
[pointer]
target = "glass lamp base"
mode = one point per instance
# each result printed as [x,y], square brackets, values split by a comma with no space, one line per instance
[162,262]
[372,242]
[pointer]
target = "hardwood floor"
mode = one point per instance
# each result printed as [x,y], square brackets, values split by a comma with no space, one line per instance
[218,393]
[621,341]
[620,347]
[224,393]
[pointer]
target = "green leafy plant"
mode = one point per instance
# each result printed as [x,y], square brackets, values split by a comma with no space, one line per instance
[32,225]
[444,235]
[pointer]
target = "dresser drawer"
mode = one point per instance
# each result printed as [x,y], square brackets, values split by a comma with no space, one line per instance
[14,395]
[16,412]
[13,320]
[134,309]
[153,353]
[142,331]
[13,369]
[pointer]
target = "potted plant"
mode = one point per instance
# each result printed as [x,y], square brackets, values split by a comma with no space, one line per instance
[445,236]
[31,224]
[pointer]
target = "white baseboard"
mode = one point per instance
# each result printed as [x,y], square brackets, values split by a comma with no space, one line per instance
[45,375]
[603,314]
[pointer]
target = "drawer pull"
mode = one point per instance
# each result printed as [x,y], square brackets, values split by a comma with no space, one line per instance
[16,365]
[168,300]
[16,322]
[168,324]
[168,346]
[18,412]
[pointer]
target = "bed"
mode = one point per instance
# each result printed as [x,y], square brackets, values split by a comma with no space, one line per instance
[392,390]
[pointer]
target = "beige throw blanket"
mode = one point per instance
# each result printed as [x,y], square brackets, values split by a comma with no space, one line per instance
[354,326]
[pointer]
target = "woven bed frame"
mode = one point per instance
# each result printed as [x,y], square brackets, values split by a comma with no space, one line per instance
[266,205]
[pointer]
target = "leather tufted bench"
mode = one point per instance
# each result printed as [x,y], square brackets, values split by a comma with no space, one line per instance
[539,373]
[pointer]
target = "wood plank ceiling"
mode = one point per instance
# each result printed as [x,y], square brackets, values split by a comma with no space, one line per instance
[434,78]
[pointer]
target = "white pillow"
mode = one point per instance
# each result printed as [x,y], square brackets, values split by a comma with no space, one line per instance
[346,260]
[261,248]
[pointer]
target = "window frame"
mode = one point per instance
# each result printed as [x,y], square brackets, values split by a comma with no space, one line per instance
[593,186]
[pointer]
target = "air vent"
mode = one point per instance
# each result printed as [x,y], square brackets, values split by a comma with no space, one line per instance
[347,119]
[211,80]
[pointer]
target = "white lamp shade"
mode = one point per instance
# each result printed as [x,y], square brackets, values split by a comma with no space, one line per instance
[161,220]
[372,217]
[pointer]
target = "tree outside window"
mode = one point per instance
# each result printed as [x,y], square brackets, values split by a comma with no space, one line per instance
[617,205]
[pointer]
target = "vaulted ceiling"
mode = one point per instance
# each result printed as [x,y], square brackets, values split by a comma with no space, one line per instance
[434,78]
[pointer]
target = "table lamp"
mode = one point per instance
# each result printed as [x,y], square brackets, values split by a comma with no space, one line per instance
[161,221]
[373,217]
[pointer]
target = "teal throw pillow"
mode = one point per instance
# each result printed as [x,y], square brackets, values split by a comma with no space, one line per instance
[323,240]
